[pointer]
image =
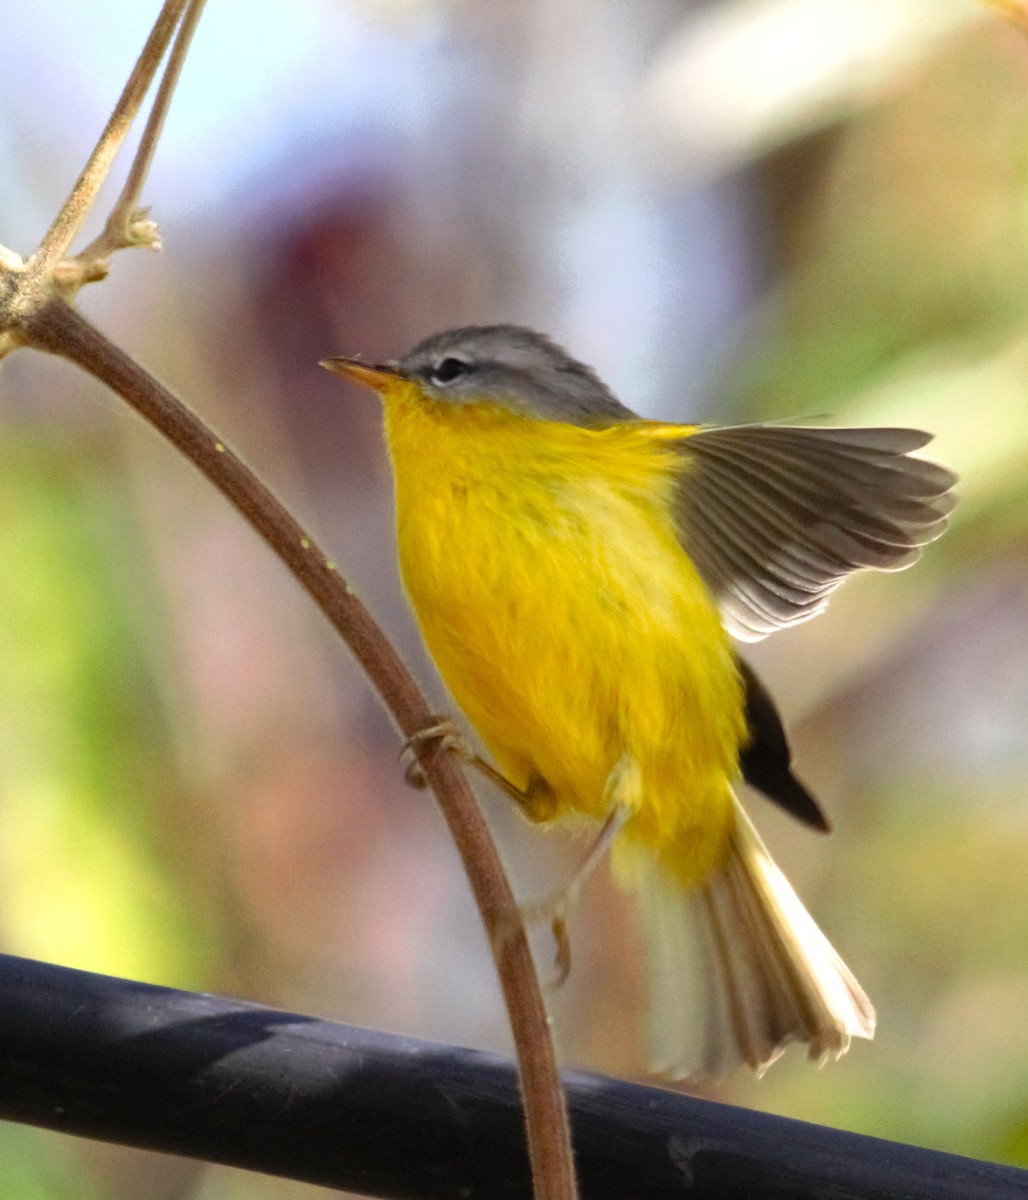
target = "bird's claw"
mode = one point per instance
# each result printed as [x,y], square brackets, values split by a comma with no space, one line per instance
[553,909]
[442,736]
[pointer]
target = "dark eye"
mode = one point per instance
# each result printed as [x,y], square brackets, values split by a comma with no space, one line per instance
[449,369]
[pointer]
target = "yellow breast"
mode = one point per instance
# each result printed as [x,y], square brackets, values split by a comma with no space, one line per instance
[562,613]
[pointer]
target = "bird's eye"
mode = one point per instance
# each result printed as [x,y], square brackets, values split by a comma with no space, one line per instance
[449,369]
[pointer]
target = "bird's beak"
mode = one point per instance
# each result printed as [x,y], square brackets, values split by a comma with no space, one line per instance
[372,375]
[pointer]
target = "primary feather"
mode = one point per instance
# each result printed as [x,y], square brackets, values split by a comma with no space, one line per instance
[776,516]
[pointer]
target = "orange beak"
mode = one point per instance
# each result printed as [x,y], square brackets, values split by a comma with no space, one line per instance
[371,375]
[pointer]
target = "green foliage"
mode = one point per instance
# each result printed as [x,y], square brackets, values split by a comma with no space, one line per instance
[87,878]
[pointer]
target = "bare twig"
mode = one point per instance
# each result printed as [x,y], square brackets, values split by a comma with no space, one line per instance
[59,329]
[34,311]
[66,225]
[127,225]
[24,284]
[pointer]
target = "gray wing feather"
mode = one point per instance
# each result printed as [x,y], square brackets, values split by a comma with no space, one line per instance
[775,517]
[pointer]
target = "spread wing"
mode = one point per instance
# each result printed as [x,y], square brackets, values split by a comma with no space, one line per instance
[775,516]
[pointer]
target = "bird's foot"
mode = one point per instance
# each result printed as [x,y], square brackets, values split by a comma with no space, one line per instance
[442,736]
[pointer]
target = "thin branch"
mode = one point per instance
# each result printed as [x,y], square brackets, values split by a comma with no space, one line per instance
[66,225]
[59,329]
[32,312]
[127,226]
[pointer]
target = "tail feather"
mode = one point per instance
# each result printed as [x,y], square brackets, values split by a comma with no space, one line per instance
[769,976]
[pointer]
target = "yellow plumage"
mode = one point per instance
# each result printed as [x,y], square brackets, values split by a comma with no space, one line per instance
[565,618]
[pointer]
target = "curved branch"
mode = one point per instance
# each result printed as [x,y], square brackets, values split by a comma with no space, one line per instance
[59,329]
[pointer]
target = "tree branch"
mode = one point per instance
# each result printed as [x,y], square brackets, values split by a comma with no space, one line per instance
[35,311]
[66,225]
[59,329]
[127,225]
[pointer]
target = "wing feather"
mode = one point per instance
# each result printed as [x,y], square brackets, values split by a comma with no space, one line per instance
[775,517]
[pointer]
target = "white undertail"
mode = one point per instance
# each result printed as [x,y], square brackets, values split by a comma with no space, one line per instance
[761,972]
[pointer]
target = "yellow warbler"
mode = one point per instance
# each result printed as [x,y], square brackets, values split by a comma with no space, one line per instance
[577,572]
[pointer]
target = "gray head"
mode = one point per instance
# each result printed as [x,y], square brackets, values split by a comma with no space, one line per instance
[514,367]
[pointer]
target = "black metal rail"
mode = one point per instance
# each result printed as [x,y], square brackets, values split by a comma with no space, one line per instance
[232,1082]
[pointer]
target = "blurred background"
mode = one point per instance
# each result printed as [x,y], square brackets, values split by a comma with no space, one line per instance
[734,209]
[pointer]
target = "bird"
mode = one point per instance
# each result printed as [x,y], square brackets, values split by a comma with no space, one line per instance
[581,577]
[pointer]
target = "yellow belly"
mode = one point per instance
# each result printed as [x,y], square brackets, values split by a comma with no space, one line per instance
[566,620]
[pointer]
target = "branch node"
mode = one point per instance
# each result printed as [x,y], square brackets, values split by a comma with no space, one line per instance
[72,273]
[126,229]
